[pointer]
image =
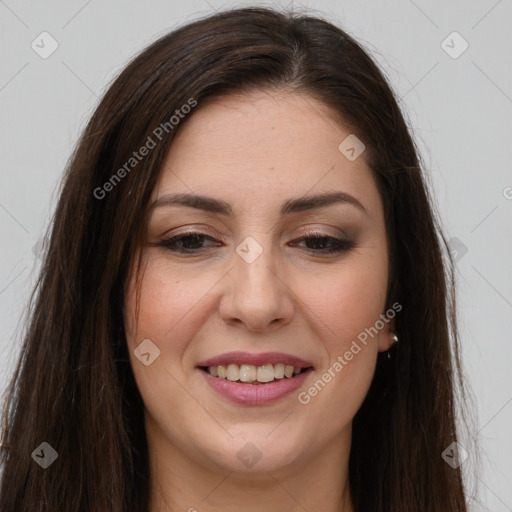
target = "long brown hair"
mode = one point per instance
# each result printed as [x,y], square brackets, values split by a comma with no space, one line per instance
[74,388]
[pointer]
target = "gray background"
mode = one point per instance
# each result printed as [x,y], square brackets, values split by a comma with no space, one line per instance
[457,107]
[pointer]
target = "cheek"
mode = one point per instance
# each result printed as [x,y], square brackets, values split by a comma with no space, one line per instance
[174,305]
[165,317]
[166,306]
[158,320]
[348,300]
[348,306]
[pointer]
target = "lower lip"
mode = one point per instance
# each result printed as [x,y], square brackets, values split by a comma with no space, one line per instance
[255,394]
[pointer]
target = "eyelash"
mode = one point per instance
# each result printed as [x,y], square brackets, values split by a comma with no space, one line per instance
[340,244]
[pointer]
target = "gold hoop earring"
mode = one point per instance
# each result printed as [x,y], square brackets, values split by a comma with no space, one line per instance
[394,340]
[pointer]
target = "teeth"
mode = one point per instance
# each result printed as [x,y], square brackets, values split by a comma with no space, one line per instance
[288,371]
[233,372]
[279,371]
[214,370]
[265,373]
[247,373]
[221,370]
[252,373]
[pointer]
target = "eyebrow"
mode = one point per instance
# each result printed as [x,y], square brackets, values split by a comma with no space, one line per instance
[299,204]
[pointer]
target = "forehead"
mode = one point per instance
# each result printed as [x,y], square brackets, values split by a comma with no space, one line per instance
[261,147]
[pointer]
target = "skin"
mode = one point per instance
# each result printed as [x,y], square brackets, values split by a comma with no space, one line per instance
[254,151]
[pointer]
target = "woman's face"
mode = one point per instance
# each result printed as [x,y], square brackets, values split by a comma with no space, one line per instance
[255,287]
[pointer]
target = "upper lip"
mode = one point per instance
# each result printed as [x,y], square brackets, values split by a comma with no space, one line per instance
[255,359]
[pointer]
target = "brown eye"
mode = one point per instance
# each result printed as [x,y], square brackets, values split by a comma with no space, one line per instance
[326,244]
[190,242]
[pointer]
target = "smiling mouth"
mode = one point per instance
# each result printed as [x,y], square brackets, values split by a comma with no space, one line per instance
[255,375]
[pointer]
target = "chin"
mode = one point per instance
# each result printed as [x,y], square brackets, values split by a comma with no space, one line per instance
[253,450]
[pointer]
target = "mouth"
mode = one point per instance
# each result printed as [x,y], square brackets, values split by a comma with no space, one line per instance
[255,375]
[255,379]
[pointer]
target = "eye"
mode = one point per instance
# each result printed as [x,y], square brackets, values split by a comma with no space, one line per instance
[189,242]
[192,242]
[319,241]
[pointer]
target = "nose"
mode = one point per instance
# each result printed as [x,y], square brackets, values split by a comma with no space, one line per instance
[257,295]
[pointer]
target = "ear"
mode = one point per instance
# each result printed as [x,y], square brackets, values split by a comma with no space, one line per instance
[385,338]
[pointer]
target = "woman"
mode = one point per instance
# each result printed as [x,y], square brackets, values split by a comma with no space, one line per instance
[244,302]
